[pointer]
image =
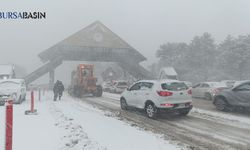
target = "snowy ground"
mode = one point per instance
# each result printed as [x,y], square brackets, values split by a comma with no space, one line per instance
[72,125]
[203,128]
[98,123]
[217,114]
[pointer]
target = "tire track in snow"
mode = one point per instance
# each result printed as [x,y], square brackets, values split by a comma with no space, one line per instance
[183,130]
[76,138]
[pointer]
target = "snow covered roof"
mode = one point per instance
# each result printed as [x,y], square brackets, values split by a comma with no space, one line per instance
[94,38]
[168,71]
[6,69]
[96,35]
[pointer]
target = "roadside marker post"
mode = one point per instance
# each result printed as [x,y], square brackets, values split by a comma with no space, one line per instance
[9,125]
[43,91]
[32,111]
[39,94]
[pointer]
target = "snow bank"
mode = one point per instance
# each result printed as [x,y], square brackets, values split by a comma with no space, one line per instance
[70,124]
[32,131]
[110,132]
[222,115]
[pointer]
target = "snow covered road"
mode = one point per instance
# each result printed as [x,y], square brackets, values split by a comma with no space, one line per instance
[71,124]
[201,129]
[98,123]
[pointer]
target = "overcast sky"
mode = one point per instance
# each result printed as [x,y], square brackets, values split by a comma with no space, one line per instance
[144,24]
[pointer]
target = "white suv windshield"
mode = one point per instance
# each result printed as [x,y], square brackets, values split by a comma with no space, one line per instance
[174,86]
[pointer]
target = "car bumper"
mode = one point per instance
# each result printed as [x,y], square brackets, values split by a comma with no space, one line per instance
[174,109]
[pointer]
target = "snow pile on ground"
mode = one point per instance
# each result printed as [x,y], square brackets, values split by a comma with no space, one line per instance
[75,138]
[32,131]
[222,115]
[108,131]
[70,124]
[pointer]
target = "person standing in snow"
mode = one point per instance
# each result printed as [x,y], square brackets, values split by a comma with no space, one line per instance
[58,90]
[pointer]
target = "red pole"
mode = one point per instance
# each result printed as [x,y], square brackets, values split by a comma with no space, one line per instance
[9,125]
[32,101]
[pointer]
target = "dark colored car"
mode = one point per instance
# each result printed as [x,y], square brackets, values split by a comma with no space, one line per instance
[235,97]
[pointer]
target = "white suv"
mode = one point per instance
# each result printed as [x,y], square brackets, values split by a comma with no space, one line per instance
[158,96]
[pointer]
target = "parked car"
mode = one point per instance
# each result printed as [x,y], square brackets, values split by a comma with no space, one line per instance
[188,83]
[239,82]
[119,86]
[229,83]
[236,97]
[106,86]
[207,90]
[158,96]
[14,89]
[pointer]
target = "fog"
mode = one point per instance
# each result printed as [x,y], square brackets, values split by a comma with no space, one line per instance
[145,25]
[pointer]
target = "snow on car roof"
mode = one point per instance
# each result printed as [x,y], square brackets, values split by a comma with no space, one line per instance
[161,81]
[216,84]
[147,81]
[240,82]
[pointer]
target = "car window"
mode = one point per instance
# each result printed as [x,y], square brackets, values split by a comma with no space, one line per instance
[135,87]
[244,87]
[146,85]
[218,84]
[174,86]
[197,85]
[204,85]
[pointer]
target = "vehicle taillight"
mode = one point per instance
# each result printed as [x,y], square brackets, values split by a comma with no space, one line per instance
[164,93]
[217,90]
[190,91]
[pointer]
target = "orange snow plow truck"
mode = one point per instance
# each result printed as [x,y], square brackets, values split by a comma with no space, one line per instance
[83,82]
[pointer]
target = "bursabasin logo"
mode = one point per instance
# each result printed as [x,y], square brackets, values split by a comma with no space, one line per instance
[22,15]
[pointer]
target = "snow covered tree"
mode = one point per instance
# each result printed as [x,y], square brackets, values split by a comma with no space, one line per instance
[201,57]
[235,57]
[171,54]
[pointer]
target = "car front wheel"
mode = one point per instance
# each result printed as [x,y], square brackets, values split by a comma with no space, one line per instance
[19,100]
[151,110]
[208,96]
[124,105]
[221,104]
